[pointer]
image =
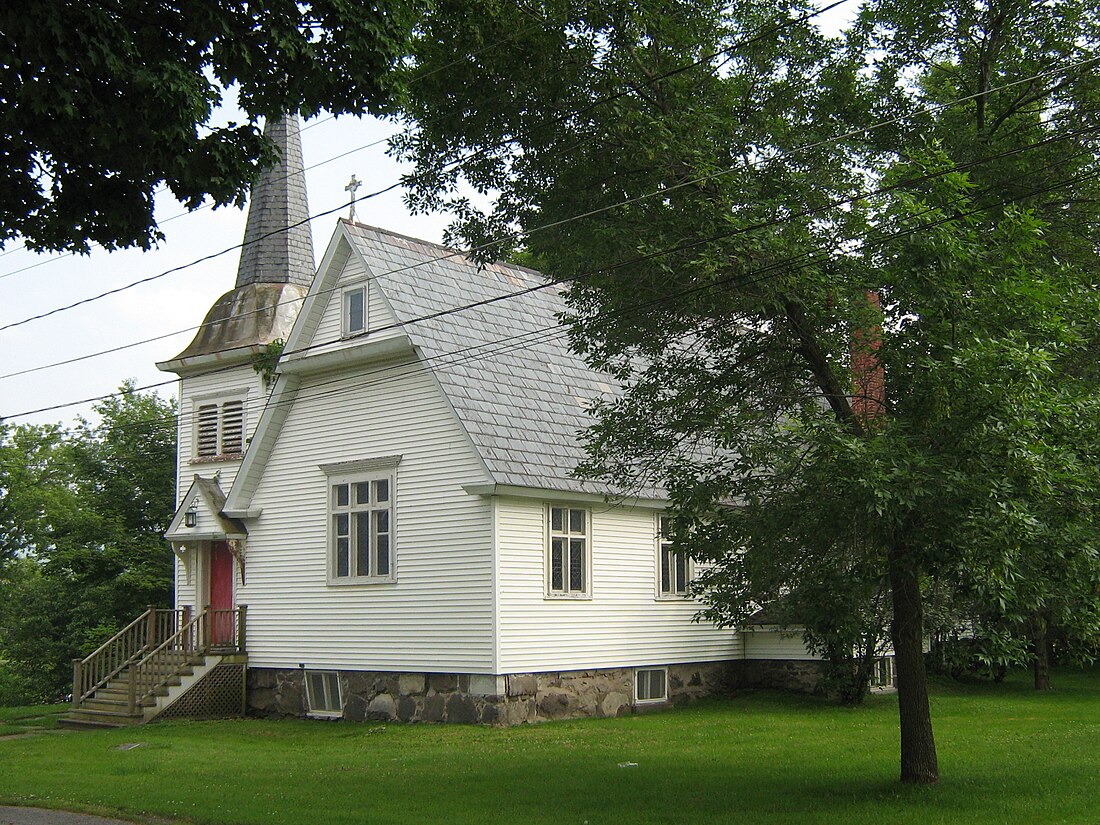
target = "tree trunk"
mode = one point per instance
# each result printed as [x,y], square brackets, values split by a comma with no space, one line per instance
[918,746]
[1040,640]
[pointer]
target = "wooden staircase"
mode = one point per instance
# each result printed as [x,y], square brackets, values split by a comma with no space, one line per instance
[152,663]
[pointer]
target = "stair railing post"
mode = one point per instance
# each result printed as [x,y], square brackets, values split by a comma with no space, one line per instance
[186,620]
[132,690]
[78,688]
[206,615]
[151,629]
[242,612]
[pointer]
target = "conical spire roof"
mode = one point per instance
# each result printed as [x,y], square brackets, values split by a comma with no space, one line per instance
[278,244]
[276,266]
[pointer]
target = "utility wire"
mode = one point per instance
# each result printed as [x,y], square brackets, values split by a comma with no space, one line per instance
[743,230]
[460,162]
[163,187]
[867,128]
[663,192]
[801,261]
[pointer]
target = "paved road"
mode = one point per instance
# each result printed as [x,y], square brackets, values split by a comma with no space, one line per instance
[43,816]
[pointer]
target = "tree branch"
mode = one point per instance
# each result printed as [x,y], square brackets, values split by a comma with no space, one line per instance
[819,365]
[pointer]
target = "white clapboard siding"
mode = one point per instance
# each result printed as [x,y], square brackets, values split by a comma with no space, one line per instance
[438,616]
[379,315]
[770,643]
[624,624]
[241,381]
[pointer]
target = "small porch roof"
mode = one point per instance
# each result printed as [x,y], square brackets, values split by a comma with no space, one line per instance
[205,498]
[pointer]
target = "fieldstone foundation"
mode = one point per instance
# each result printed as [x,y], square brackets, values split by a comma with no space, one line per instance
[475,699]
[798,675]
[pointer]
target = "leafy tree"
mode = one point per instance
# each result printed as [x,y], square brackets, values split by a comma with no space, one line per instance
[763,209]
[104,101]
[83,517]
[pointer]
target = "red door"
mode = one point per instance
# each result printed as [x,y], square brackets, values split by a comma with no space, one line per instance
[221,594]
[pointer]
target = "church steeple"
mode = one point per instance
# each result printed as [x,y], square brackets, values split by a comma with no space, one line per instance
[275,270]
[278,244]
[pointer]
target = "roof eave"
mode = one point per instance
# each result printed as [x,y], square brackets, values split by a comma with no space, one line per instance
[200,363]
[548,494]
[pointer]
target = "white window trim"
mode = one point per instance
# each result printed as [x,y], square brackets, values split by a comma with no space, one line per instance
[220,400]
[658,701]
[379,469]
[874,683]
[324,713]
[586,592]
[689,567]
[345,313]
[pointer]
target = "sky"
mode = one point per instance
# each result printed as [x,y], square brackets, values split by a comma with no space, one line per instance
[170,308]
[31,284]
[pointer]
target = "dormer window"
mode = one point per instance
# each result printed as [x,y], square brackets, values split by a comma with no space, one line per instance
[355,311]
[219,428]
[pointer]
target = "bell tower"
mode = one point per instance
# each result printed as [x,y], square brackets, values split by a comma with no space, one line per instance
[221,394]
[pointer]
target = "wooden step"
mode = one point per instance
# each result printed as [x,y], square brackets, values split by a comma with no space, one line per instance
[122,685]
[73,723]
[89,718]
[112,692]
[97,703]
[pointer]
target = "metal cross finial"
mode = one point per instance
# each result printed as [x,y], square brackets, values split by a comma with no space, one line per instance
[352,187]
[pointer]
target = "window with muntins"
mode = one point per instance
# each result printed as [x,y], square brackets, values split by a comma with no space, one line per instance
[219,429]
[567,555]
[355,311]
[362,528]
[882,673]
[673,568]
[651,684]
[323,692]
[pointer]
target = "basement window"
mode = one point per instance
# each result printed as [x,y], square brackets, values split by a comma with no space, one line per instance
[651,685]
[323,697]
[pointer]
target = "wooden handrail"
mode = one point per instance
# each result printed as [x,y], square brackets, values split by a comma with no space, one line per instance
[143,617]
[144,646]
[121,650]
[207,631]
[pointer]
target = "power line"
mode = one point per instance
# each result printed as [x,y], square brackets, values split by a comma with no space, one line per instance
[182,267]
[458,163]
[163,187]
[662,192]
[205,206]
[612,206]
[752,227]
[803,260]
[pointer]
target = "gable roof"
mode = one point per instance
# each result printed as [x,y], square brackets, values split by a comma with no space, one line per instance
[206,499]
[503,364]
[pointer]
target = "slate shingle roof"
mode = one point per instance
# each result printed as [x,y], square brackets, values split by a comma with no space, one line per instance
[506,367]
[278,242]
[276,266]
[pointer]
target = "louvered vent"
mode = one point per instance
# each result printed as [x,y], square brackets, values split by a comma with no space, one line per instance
[208,430]
[232,427]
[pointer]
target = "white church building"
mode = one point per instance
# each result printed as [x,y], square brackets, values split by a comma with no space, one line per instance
[387,525]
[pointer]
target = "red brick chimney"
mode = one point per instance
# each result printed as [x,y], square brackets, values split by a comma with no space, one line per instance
[868,378]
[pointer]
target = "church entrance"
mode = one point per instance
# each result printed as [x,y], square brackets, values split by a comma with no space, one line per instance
[220,596]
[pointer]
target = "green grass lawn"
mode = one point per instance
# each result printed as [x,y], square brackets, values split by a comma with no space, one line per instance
[30,719]
[1007,755]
